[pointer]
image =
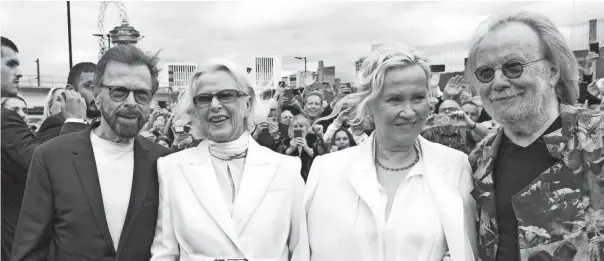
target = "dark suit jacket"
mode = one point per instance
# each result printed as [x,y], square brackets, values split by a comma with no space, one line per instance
[51,127]
[63,203]
[18,144]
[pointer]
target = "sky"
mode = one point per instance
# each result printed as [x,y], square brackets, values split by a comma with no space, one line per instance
[336,32]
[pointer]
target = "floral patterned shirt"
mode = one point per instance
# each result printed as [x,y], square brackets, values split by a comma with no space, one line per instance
[561,213]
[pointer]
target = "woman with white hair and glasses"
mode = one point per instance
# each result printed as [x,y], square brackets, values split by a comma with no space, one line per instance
[396,196]
[227,198]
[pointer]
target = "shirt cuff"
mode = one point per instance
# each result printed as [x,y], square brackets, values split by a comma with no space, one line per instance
[76,120]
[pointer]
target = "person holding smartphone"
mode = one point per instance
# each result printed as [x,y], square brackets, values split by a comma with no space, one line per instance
[301,142]
[341,139]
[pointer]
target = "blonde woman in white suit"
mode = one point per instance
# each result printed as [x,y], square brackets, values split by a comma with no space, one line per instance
[396,196]
[228,197]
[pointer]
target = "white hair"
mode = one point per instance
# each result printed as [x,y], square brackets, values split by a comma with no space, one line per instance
[554,47]
[371,80]
[185,107]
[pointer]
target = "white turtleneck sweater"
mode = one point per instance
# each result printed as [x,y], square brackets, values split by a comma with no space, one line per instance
[115,167]
[229,172]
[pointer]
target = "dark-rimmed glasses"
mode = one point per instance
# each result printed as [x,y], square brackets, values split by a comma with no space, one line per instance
[224,96]
[511,69]
[121,93]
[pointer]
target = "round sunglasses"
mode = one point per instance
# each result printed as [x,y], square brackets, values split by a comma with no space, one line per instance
[120,93]
[511,69]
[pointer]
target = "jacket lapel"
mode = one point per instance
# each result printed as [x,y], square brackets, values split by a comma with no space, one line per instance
[85,165]
[140,183]
[448,201]
[363,178]
[201,176]
[258,174]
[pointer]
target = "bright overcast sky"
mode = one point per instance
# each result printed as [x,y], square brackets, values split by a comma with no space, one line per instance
[335,32]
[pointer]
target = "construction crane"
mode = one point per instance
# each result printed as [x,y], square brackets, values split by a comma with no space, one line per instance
[122,34]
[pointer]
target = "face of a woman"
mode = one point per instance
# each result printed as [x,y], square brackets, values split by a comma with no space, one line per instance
[313,106]
[341,140]
[221,122]
[297,125]
[55,103]
[402,107]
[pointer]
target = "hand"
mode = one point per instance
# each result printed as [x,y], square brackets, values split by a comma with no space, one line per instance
[282,101]
[333,149]
[272,127]
[590,58]
[74,105]
[294,143]
[465,96]
[302,143]
[463,120]
[343,115]
[453,87]
[430,120]
[296,103]
[318,129]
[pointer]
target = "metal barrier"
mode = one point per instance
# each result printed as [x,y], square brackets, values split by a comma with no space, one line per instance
[45,81]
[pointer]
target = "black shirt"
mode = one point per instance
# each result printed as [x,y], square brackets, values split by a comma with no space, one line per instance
[515,168]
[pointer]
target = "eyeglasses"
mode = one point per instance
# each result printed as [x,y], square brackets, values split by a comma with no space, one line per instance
[224,96]
[511,69]
[120,93]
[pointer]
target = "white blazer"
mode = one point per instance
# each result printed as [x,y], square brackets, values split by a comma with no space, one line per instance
[193,224]
[345,183]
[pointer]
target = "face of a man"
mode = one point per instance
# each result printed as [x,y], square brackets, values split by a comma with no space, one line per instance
[448,107]
[16,105]
[10,73]
[126,117]
[83,86]
[524,98]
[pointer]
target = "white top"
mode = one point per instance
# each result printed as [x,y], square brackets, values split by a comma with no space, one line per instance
[229,172]
[413,230]
[115,167]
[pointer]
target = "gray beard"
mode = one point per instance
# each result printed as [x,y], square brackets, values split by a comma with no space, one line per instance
[123,131]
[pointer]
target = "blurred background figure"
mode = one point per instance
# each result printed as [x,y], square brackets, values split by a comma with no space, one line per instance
[52,103]
[16,104]
[341,139]
[301,142]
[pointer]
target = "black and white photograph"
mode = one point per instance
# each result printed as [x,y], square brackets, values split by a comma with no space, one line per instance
[301,130]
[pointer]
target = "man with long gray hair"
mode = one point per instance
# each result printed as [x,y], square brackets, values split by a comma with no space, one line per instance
[539,183]
[95,193]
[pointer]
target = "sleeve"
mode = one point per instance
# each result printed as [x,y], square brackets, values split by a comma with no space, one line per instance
[298,197]
[18,138]
[165,246]
[33,232]
[331,129]
[465,186]
[303,251]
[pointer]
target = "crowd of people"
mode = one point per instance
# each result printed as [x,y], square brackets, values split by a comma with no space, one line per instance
[504,163]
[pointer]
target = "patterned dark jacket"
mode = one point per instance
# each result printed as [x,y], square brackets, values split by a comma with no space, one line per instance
[561,213]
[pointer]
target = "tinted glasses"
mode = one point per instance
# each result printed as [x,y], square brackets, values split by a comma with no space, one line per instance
[224,96]
[120,93]
[511,69]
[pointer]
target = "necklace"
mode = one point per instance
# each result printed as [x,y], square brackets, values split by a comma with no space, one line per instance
[377,162]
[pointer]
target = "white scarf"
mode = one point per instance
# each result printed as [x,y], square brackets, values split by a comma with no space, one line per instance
[228,159]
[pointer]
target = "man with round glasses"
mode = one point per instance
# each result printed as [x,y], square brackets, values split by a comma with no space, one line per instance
[95,193]
[539,183]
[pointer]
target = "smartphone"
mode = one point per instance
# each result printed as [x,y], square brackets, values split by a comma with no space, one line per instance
[297,133]
[179,129]
[162,104]
[444,119]
[289,94]
[437,68]
[187,129]
[271,119]
[594,47]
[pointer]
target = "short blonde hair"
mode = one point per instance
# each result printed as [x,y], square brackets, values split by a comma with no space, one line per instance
[48,101]
[371,80]
[301,119]
[186,109]
[554,47]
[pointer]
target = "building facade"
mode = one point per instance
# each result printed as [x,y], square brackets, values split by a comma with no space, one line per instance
[176,75]
[266,72]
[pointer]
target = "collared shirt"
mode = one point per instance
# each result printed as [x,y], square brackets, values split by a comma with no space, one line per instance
[410,230]
[461,138]
[515,168]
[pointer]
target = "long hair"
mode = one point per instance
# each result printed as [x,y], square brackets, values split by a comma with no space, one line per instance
[186,108]
[48,100]
[554,46]
[371,81]
[350,138]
